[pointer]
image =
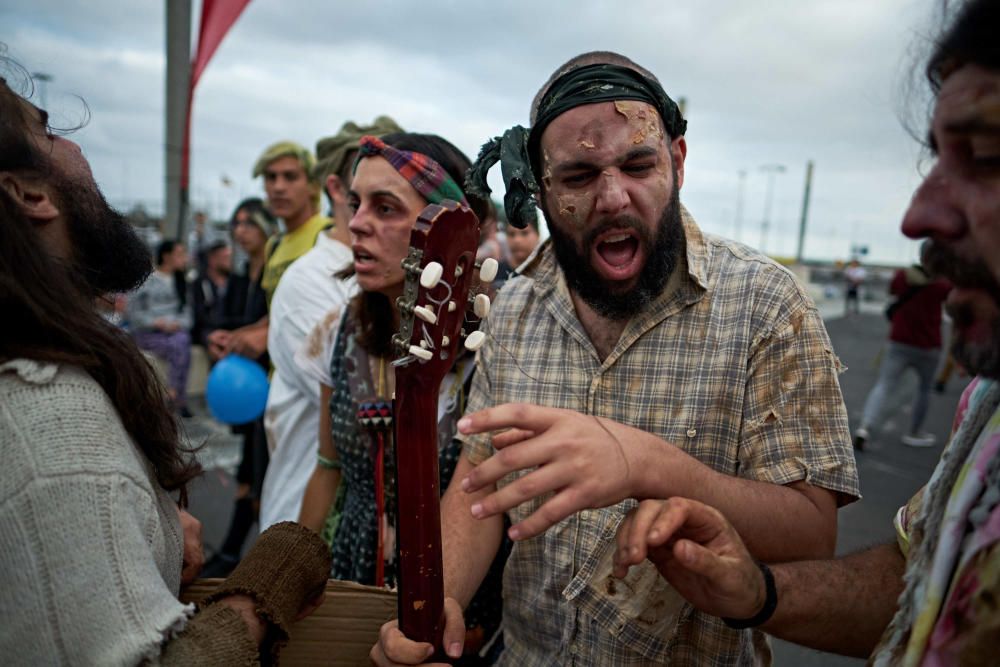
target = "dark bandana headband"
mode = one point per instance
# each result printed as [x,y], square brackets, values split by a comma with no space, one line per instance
[586,85]
[425,175]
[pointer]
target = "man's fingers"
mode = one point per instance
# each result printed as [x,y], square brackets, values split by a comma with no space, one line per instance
[636,544]
[510,437]
[534,484]
[394,648]
[523,455]
[552,512]
[509,415]
[698,559]
[454,628]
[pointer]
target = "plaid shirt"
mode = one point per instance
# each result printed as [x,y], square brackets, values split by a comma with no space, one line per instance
[732,364]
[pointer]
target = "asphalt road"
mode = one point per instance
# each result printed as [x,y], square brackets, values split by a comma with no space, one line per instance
[890,472]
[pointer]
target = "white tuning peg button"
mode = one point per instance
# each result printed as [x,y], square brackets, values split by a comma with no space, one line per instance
[431,275]
[475,341]
[481,306]
[426,314]
[445,341]
[488,271]
[451,307]
[421,353]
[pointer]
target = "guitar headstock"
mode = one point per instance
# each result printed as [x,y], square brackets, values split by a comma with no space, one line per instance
[436,309]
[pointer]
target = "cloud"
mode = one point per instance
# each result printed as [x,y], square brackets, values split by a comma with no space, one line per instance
[784,82]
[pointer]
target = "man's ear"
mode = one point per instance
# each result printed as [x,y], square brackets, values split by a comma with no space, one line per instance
[335,189]
[678,151]
[32,196]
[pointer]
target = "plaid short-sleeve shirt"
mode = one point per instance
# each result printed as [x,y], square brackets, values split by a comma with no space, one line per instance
[731,363]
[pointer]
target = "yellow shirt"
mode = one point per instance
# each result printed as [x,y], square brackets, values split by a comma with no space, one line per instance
[290,247]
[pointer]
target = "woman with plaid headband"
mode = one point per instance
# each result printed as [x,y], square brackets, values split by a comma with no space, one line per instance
[349,493]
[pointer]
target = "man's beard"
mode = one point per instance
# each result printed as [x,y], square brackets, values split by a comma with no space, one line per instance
[600,294]
[107,253]
[976,357]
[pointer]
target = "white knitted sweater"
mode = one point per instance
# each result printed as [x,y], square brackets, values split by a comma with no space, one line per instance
[90,545]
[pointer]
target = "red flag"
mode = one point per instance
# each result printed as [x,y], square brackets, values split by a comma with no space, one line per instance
[217,17]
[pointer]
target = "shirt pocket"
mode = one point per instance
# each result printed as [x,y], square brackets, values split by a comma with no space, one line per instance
[642,611]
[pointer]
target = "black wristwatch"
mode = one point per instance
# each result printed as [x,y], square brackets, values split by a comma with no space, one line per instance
[770,604]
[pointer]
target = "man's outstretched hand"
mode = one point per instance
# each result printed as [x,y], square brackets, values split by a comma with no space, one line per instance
[584,461]
[697,551]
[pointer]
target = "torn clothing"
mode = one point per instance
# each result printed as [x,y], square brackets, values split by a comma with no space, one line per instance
[732,364]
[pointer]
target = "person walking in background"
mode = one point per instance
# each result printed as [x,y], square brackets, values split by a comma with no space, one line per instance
[914,342]
[160,319]
[855,275]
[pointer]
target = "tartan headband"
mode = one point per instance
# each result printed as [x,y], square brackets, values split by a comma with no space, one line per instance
[517,149]
[425,175]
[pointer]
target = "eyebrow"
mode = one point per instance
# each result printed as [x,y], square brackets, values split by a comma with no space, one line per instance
[376,193]
[584,165]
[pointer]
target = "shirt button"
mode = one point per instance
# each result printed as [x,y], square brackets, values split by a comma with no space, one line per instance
[691,432]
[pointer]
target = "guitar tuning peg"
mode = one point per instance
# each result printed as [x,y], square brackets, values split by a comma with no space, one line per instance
[481,306]
[451,306]
[445,341]
[421,353]
[431,275]
[475,341]
[426,314]
[458,271]
[488,271]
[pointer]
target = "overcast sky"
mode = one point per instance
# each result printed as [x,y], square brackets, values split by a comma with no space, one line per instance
[781,82]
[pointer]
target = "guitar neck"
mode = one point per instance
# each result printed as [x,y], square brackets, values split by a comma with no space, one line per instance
[418,494]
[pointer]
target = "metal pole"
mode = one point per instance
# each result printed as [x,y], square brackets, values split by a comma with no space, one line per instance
[178,84]
[765,224]
[805,211]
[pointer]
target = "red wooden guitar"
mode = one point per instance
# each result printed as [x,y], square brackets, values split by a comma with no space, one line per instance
[440,269]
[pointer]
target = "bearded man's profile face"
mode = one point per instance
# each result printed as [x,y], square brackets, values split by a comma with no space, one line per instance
[107,254]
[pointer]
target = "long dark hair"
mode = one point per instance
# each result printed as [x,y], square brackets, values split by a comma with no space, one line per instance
[372,310]
[970,38]
[50,316]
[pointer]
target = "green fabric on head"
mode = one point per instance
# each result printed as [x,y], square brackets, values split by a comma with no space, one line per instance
[515,150]
[286,149]
[332,152]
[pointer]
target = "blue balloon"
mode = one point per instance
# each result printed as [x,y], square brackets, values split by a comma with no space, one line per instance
[237,390]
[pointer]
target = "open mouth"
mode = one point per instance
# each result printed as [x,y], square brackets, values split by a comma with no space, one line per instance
[363,258]
[617,254]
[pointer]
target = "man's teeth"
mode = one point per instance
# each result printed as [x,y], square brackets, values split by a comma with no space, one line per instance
[617,238]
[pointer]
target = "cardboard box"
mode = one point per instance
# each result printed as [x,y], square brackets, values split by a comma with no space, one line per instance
[339,634]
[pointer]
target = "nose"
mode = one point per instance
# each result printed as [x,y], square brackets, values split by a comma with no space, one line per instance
[933,211]
[359,224]
[612,196]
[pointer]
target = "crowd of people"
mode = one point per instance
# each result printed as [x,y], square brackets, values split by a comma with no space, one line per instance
[643,464]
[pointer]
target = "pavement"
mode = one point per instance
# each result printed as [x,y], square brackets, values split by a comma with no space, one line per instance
[890,472]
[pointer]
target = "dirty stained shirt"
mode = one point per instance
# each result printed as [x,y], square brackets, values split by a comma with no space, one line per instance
[732,364]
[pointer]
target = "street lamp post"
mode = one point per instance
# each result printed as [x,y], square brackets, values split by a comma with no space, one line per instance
[42,78]
[771,170]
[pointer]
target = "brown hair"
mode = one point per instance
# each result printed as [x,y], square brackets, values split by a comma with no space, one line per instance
[50,316]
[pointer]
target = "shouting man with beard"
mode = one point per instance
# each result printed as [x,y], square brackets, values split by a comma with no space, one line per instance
[93,545]
[638,357]
[930,598]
